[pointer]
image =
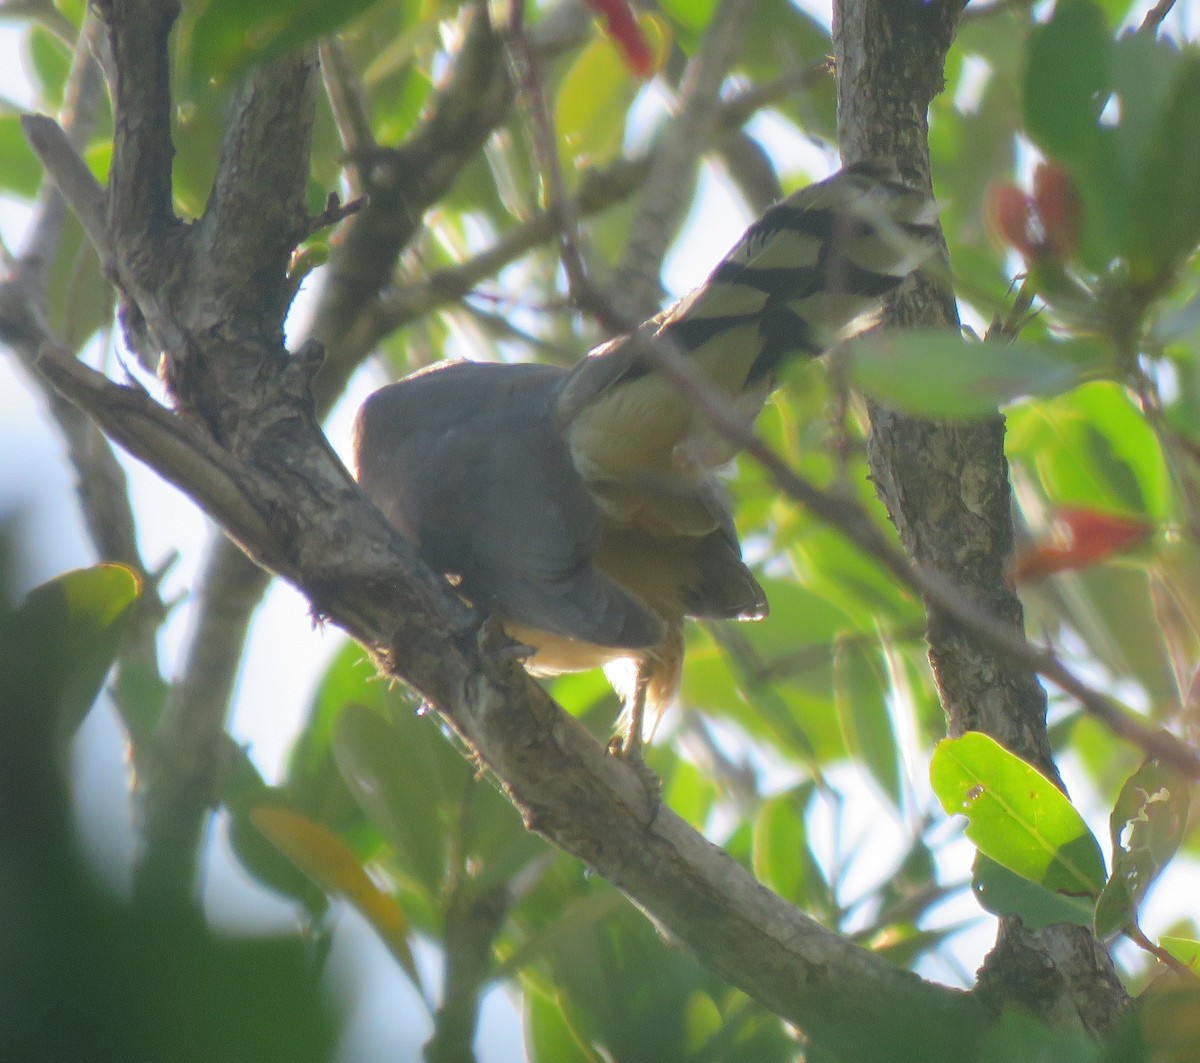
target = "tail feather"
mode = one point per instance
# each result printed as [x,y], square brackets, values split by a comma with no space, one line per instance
[810,271]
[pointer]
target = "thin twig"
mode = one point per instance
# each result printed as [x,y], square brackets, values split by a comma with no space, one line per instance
[348,102]
[1138,937]
[101,484]
[545,146]
[67,169]
[1154,17]
[636,285]
[856,524]
[599,189]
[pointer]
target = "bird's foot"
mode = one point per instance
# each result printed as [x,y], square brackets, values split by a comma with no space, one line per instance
[494,641]
[631,753]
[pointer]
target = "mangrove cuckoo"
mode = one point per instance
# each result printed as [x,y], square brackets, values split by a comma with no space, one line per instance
[579,506]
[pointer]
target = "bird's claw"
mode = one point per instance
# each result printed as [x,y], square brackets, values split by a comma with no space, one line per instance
[631,753]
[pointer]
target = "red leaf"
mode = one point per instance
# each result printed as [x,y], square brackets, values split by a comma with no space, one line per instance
[622,27]
[1060,208]
[1045,226]
[1085,536]
[1010,215]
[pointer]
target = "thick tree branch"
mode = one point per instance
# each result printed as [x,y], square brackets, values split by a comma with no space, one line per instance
[946,489]
[140,211]
[259,192]
[362,574]
[276,486]
[473,921]
[223,279]
[259,465]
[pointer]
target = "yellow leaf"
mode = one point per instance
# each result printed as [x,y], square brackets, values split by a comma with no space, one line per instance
[332,865]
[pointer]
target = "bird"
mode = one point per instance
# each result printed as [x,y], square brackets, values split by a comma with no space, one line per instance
[580,506]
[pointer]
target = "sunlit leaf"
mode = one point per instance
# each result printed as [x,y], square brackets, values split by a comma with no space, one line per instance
[692,15]
[327,861]
[1016,816]
[702,1022]
[548,1036]
[51,61]
[595,93]
[937,373]
[1093,448]
[624,30]
[1185,950]
[58,647]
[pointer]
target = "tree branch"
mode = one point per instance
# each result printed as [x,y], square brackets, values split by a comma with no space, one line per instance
[402,183]
[362,574]
[636,286]
[946,489]
[472,923]
[140,208]
[100,480]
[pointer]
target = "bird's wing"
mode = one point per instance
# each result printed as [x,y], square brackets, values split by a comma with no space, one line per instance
[466,459]
[581,503]
[811,270]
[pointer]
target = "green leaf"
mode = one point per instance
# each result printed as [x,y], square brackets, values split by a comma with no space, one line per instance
[141,692]
[1067,84]
[1164,224]
[20,171]
[57,648]
[690,793]
[1185,950]
[548,1035]
[1163,1026]
[1147,826]
[1068,79]
[1002,892]
[79,296]
[782,857]
[1094,448]
[1020,1038]
[51,61]
[937,373]
[1144,70]
[690,15]
[702,1022]
[861,688]
[594,96]
[230,35]
[1017,816]
[402,788]
[312,781]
